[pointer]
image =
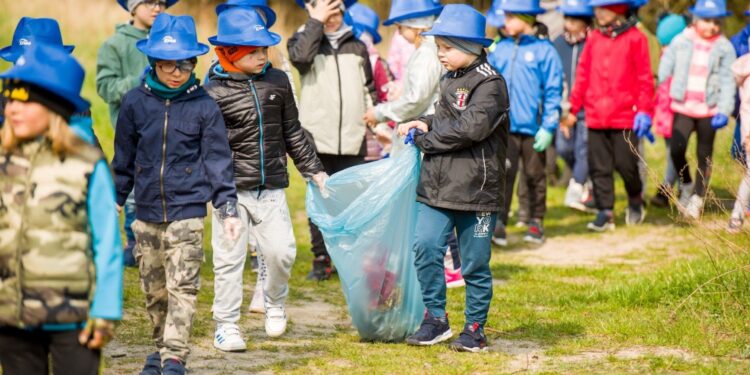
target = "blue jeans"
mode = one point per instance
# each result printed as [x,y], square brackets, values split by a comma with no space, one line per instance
[574,150]
[129,208]
[474,229]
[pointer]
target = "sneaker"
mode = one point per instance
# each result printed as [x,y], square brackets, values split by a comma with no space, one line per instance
[472,339]
[604,221]
[227,339]
[128,258]
[694,208]
[257,304]
[574,196]
[275,321]
[432,331]
[735,225]
[522,223]
[153,364]
[500,236]
[535,234]
[173,367]
[661,199]
[321,269]
[454,279]
[635,214]
[686,191]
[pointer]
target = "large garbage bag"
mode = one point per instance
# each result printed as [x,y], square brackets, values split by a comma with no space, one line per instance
[368,220]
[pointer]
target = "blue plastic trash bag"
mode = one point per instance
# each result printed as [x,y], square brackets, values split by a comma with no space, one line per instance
[368,220]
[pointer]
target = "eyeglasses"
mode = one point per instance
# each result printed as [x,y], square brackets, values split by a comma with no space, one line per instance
[154,3]
[185,66]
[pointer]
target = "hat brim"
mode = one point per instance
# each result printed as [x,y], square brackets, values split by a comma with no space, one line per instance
[10,54]
[424,13]
[124,3]
[270,15]
[709,15]
[604,3]
[533,11]
[271,39]
[485,42]
[142,45]
[495,20]
[79,103]
[575,12]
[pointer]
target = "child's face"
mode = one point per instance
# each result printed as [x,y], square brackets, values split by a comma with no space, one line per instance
[174,73]
[27,119]
[333,23]
[604,16]
[253,62]
[452,58]
[707,28]
[574,25]
[514,26]
[145,13]
[409,33]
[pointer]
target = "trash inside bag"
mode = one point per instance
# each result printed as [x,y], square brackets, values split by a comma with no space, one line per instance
[368,222]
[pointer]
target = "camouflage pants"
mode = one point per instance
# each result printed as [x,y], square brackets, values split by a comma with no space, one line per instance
[169,257]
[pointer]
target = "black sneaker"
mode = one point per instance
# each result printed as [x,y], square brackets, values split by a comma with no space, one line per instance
[499,236]
[604,221]
[535,233]
[173,367]
[661,199]
[153,364]
[321,269]
[472,339]
[635,214]
[432,331]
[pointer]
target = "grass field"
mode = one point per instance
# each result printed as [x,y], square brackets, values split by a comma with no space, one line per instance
[664,297]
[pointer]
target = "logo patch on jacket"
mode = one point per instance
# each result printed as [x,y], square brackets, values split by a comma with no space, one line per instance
[272,97]
[462,98]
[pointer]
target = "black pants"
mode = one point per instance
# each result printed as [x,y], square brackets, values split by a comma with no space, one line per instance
[521,150]
[610,151]
[683,127]
[28,353]
[332,164]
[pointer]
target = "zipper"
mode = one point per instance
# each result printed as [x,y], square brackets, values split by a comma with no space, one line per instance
[513,61]
[164,161]
[260,122]
[341,96]
[484,166]
[22,242]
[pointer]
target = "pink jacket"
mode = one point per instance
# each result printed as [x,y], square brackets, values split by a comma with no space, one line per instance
[741,70]
[663,114]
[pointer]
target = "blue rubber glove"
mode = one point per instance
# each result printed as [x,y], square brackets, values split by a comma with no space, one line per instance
[642,124]
[719,121]
[542,140]
[409,139]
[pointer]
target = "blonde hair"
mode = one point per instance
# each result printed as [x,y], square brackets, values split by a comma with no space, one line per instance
[64,141]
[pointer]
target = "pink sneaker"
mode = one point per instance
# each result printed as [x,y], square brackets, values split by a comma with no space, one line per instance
[454,279]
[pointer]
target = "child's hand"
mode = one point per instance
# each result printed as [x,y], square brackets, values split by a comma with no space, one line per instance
[565,131]
[320,179]
[569,121]
[97,333]
[719,121]
[403,129]
[323,9]
[369,117]
[119,208]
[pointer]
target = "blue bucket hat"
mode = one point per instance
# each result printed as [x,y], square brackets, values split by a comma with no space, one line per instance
[347,3]
[52,69]
[31,31]
[576,8]
[172,38]
[407,9]
[363,19]
[710,9]
[521,6]
[495,15]
[604,3]
[124,3]
[461,21]
[262,5]
[240,26]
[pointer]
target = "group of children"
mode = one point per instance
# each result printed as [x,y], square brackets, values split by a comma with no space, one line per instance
[478,118]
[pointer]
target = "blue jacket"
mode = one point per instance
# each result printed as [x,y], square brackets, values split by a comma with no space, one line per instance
[570,54]
[176,154]
[740,41]
[534,73]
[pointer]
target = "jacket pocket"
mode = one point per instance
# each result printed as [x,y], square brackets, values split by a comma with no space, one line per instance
[186,183]
[147,189]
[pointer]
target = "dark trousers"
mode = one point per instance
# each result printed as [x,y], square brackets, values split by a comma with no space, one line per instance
[331,164]
[28,352]
[610,151]
[521,150]
[683,127]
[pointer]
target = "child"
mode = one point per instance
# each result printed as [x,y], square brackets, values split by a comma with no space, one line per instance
[258,107]
[614,85]
[534,72]
[67,217]
[119,67]
[171,144]
[461,185]
[699,61]
[571,143]
[337,89]
[741,43]
[741,70]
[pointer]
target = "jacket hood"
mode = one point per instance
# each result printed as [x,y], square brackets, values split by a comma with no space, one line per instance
[129,30]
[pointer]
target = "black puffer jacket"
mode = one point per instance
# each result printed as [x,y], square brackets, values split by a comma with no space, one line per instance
[262,127]
[464,151]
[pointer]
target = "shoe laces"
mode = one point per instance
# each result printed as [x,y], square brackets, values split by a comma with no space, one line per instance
[230,329]
[275,312]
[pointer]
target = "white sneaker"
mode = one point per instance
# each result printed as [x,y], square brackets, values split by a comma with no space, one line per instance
[227,338]
[694,208]
[686,191]
[275,321]
[257,305]
[574,196]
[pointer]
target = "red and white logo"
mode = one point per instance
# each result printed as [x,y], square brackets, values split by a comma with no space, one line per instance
[462,98]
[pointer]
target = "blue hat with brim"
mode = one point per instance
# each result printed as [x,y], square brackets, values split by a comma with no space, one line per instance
[262,5]
[495,15]
[363,19]
[172,38]
[604,3]
[240,26]
[576,8]
[402,10]
[52,69]
[31,31]
[347,3]
[461,21]
[710,9]
[124,3]
[521,7]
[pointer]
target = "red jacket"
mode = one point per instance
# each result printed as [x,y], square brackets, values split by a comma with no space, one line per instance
[613,80]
